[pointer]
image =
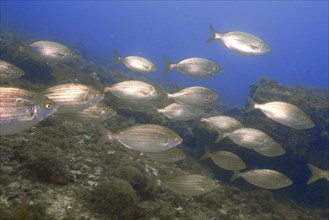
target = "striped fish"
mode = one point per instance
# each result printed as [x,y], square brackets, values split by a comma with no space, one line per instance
[21,109]
[168,156]
[181,112]
[73,97]
[144,138]
[268,179]
[188,184]
[224,159]
[94,114]
[49,51]
[9,71]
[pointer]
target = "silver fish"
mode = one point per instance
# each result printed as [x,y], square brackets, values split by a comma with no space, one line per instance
[268,179]
[73,97]
[181,112]
[168,156]
[257,140]
[94,114]
[9,71]
[241,42]
[188,184]
[195,95]
[317,174]
[222,124]
[224,159]
[195,67]
[134,91]
[49,51]
[136,63]
[21,109]
[283,113]
[144,138]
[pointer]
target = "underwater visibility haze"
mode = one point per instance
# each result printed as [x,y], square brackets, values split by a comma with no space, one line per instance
[164,110]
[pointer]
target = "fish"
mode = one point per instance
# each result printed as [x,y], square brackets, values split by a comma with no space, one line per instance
[241,42]
[195,67]
[73,97]
[22,109]
[143,138]
[257,140]
[224,159]
[181,112]
[317,174]
[264,178]
[48,51]
[188,184]
[136,63]
[194,95]
[94,114]
[134,91]
[222,124]
[168,156]
[9,71]
[283,113]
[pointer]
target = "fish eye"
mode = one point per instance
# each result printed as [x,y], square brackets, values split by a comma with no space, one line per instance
[98,94]
[48,105]
[166,141]
[261,139]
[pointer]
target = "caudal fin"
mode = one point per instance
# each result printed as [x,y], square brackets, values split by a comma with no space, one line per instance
[104,135]
[316,173]
[206,153]
[213,34]
[168,65]
[236,174]
[117,57]
[250,105]
[220,136]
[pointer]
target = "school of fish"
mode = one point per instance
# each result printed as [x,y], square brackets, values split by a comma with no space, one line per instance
[22,109]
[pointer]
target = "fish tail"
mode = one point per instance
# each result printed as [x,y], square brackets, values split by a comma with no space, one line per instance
[316,173]
[250,105]
[168,65]
[107,89]
[105,135]
[236,174]
[206,153]
[213,34]
[220,136]
[117,57]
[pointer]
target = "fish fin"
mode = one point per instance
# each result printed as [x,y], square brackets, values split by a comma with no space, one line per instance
[250,105]
[105,135]
[316,173]
[168,65]
[236,174]
[206,153]
[220,136]
[213,34]
[117,57]
[107,89]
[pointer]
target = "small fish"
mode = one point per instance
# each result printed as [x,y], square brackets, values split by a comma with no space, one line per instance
[188,184]
[144,138]
[181,112]
[9,71]
[241,42]
[194,95]
[317,174]
[49,51]
[268,179]
[224,159]
[222,124]
[136,63]
[168,156]
[195,67]
[283,113]
[21,109]
[257,140]
[134,91]
[94,114]
[73,97]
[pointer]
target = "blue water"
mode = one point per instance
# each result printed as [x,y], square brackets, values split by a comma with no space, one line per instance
[297,32]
